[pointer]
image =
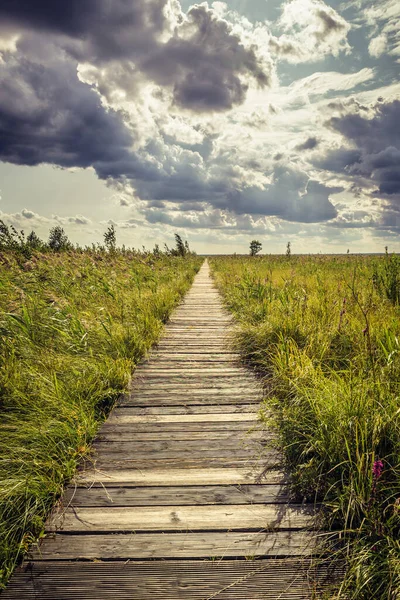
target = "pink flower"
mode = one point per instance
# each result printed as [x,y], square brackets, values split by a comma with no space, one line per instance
[377,469]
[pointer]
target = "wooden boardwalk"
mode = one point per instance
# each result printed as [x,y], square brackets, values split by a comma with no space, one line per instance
[185,497]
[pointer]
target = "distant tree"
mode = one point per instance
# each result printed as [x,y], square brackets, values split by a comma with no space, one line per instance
[156,250]
[34,241]
[11,239]
[58,239]
[6,238]
[110,238]
[255,247]
[288,250]
[179,245]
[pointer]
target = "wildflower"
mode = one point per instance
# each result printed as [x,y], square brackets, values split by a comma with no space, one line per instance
[377,469]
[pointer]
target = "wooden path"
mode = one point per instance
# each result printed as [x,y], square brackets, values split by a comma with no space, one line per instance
[185,491]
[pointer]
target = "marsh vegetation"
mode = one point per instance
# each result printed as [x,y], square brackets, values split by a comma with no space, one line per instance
[324,333]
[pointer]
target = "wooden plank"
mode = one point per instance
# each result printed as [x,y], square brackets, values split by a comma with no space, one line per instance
[261,579]
[168,496]
[176,545]
[214,517]
[238,426]
[114,433]
[185,410]
[184,418]
[144,387]
[181,391]
[168,363]
[122,463]
[130,452]
[187,400]
[133,446]
[181,477]
[152,371]
[165,355]
[194,346]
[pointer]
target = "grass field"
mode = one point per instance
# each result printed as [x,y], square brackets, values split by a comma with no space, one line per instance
[72,327]
[324,332]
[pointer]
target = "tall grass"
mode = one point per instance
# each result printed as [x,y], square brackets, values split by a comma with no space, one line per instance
[325,334]
[72,327]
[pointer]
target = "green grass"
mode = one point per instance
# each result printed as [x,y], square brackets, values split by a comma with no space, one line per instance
[324,332]
[72,327]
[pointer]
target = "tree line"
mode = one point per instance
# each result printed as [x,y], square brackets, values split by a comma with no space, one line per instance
[58,241]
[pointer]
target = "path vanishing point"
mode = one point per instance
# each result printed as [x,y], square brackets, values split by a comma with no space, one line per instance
[186,498]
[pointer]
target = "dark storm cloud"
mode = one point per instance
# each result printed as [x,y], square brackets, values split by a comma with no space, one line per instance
[377,153]
[291,197]
[372,134]
[48,116]
[338,160]
[101,29]
[203,61]
[72,17]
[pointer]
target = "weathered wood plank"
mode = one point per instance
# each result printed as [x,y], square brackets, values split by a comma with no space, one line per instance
[239,426]
[112,462]
[186,410]
[173,495]
[144,387]
[177,518]
[181,477]
[185,446]
[114,433]
[168,356]
[153,371]
[178,390]
[168,363]
[157,400]
[183,418]
[130,452]
[176,545]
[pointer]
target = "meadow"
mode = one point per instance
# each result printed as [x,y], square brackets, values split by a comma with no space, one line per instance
[324,334]
[73,325]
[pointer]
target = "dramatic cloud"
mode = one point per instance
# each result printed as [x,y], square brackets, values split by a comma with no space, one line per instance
[197,55]
[203,118]
[48,116]
[377,140]
[292,195]
[100,28]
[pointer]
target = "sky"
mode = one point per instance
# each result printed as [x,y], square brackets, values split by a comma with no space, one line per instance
[224,122]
